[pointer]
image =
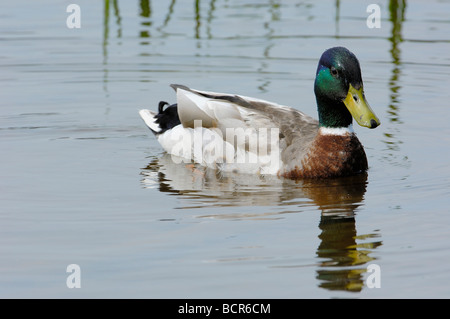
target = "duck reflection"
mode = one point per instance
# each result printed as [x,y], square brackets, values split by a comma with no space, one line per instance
[339,250]
[342,253]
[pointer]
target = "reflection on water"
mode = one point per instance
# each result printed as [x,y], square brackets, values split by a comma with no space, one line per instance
[396,16]
[342,253]
[146,23]
[105,42]
[106,12]
[336,19]
[301,236]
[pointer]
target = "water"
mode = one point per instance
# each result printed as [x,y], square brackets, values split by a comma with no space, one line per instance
[82,181]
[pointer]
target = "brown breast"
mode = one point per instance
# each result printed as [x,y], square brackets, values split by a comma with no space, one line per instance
[331,156]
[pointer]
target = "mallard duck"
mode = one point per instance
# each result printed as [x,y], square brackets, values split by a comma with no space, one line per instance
[247,135]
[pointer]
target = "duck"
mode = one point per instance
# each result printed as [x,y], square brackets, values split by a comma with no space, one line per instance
[246,135]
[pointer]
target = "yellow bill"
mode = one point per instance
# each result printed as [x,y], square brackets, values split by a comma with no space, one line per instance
[359,108]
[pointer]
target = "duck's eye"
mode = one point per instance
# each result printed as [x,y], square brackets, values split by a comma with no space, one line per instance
[334,72]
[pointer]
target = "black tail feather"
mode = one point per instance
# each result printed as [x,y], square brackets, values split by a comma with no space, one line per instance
[167,118]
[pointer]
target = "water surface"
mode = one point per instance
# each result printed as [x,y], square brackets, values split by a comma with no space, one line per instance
[82,180]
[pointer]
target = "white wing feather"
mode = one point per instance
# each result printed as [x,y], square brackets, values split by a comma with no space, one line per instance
[206,142]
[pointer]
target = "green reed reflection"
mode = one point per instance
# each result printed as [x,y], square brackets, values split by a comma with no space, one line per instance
[203,24]
[105,30]
[145,13]
[105,42]
[212,7]
[106,10]
[336,19]
[397,10]
[168,16]
[198,19]
[397,16]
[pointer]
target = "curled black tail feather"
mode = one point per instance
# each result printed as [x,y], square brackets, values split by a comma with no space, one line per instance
[167,118]
[161,106]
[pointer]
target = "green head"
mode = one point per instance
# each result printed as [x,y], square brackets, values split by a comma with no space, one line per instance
[339,91]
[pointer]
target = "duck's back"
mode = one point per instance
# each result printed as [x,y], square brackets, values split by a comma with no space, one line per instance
[283,134]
